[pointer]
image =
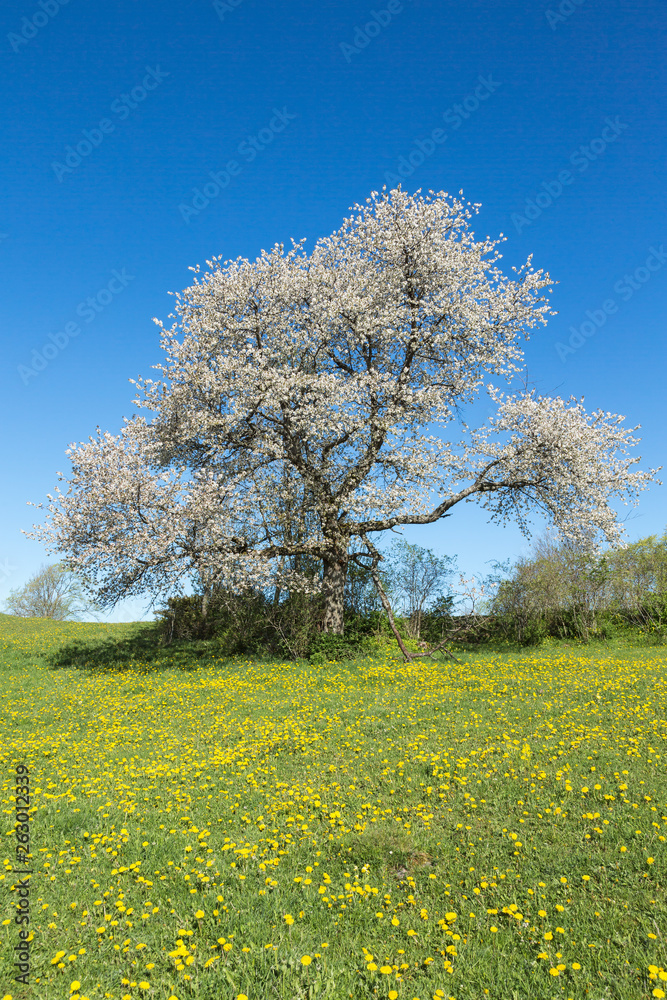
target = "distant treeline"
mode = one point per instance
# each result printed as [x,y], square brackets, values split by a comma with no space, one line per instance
[566,591]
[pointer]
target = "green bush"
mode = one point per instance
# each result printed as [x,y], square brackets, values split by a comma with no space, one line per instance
[250,623]
[437,621]
[239,621]
[325,646]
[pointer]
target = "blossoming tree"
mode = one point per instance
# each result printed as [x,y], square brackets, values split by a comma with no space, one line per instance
[305,384]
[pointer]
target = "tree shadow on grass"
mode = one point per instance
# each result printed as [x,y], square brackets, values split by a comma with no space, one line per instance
[141,652]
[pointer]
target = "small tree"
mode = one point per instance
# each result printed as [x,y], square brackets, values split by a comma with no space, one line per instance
[53,592]
[419,577]
[560,588]
[636,572]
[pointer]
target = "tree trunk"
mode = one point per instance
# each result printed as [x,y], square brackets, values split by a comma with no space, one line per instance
[333,589]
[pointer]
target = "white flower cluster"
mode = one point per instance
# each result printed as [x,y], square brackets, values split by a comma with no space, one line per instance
[298,387]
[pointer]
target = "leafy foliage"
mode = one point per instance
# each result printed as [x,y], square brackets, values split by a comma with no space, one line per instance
[300,391]
[571,591]
[419,578]
[53,592]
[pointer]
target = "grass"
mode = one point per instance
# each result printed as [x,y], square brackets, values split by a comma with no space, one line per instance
[216,829]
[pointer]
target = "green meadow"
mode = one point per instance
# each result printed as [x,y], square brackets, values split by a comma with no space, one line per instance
[214,828]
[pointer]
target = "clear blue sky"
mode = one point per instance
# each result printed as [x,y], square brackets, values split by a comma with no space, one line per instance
[116,115]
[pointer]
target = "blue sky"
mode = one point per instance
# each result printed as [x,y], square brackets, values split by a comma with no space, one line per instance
[117,116]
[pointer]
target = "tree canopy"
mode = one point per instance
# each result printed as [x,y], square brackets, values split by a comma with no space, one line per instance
[53,592]
[308,383]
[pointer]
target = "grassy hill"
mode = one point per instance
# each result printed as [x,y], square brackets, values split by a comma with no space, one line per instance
[209,828]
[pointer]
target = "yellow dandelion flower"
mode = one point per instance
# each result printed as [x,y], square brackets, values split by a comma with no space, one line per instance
[306,959]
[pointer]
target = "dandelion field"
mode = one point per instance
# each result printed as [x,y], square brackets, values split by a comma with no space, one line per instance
[224,829]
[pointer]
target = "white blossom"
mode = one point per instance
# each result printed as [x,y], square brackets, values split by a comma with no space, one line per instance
[306,383]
